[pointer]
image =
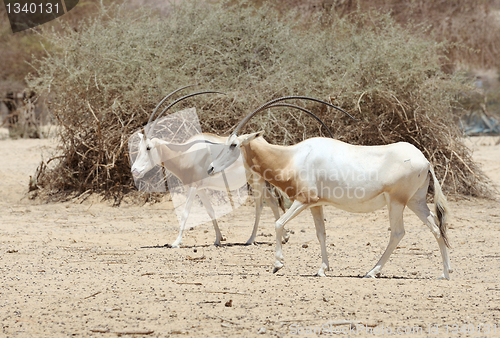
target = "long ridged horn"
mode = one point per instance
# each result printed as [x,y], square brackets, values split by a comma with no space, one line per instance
[166,97]
[186,146]
[150,131]
[265,105]
[304,110]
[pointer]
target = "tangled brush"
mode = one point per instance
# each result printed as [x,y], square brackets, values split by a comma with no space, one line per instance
[106,77]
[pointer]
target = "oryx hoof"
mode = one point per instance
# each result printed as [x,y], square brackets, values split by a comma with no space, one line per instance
[250,242]
[372,275]
[286,238]
[321,273]
[444,277]
[278,265]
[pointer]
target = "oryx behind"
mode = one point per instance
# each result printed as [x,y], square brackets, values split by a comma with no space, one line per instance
[188,162]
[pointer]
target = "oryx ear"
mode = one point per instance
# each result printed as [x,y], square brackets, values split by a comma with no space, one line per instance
[141,136]
[259,133]
[250,137]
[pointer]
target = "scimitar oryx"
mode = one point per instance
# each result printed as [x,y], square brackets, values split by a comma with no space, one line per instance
[322,171]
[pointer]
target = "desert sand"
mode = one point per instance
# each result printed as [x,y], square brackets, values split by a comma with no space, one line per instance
[88,269]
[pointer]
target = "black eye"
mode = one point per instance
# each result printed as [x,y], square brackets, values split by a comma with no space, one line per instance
[148,148]
[232,146]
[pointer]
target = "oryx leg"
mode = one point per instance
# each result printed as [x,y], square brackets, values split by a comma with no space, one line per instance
[319,222]
[294,210]
[397,233]
[261,193]
[185,214]
[269,198]
[271,201]
[258,191]
[419,206]
[210,210]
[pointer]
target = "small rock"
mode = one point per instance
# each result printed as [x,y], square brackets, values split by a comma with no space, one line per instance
[229,303]
[195,250]
[262,330]
[305,246]
[302,230]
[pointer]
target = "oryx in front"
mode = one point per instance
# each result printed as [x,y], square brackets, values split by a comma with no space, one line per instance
[322,171]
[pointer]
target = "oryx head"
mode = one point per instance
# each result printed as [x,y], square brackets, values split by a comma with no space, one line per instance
[231,149]
[148,155]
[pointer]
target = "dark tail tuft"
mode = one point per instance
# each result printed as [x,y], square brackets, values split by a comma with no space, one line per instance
[441,208]
[278,194]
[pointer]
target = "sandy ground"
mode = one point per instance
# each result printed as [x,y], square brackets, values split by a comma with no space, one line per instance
[92,270]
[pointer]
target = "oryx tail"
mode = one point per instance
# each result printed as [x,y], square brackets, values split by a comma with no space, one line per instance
[441,208]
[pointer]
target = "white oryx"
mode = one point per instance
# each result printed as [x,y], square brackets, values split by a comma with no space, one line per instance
[322,171]
[188,162]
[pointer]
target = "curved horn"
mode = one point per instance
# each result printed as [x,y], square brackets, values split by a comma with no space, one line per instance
[265,105]
[175,102]
[304,110]
[166,97]
[185,146]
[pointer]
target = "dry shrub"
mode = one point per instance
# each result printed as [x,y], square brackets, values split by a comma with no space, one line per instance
[471,27]
[107,77]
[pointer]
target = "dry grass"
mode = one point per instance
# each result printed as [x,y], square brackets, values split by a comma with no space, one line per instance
[470,27]
[107,76]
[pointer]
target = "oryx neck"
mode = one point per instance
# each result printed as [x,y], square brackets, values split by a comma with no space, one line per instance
[263,157]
